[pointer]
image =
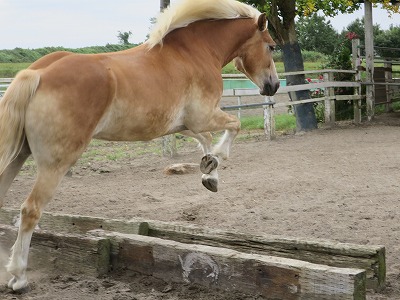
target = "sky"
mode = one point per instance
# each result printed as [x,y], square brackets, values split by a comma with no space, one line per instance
[80,23]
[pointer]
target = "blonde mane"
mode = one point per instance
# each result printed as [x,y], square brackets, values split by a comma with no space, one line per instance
[186,12]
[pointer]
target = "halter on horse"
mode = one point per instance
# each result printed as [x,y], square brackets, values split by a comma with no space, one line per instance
[172,83]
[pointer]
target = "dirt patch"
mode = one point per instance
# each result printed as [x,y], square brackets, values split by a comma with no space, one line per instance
[340,184]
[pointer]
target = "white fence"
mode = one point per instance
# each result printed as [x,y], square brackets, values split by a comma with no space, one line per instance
[4,83]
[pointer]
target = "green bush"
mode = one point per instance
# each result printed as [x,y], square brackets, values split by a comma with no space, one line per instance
[19,55]
[312,56]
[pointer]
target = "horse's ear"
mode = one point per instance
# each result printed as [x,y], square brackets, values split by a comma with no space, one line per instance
[262,22]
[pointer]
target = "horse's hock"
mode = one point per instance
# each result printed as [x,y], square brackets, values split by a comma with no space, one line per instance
[272,266]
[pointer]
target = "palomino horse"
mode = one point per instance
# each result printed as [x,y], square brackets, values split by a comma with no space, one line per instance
[171,83]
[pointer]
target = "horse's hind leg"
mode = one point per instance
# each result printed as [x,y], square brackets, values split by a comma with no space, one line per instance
[53,162]
[204,139]
[43,190]
[7,177]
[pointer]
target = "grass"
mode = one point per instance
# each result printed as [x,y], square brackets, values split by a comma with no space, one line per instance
[283,122]
[9,70]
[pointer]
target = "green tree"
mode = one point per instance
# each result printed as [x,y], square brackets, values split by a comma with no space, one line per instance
[123,37]
[315,33]
[389,39]
[281,15]
[357,26]
[164,4]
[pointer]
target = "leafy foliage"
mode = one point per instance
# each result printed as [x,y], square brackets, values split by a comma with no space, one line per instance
[19,55]
[315,33]
[341,59]
[357,26]
[334,7]
[390,39]
[123,37]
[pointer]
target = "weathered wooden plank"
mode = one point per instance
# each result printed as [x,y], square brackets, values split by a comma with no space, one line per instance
[88,255]
[77,224]
[370,258]
[367,257]
[230,270]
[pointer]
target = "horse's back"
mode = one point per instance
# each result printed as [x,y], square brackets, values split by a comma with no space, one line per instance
[48,59]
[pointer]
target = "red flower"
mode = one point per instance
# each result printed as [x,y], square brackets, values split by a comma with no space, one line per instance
[351,35]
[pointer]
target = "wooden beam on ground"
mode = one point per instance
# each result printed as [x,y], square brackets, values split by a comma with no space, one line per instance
[63,253]
[230,270]
[63,223]
[367,257]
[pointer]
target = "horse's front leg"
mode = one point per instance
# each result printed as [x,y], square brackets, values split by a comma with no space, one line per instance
[209,163]
[208,166]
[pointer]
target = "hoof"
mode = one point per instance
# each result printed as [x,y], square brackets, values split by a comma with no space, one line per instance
[208,163]
[11,282]
[19,287]
[211,184]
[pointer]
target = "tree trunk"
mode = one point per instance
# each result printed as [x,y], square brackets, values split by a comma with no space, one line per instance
[293,61]
[281,17]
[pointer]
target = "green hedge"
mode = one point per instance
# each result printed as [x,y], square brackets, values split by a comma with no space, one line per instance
[19,55]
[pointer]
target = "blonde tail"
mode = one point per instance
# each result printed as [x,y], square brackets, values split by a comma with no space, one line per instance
[12,115]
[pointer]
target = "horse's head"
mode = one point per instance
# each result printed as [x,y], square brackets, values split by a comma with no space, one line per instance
[255,59]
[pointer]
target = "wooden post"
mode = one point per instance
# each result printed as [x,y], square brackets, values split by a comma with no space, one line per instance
[329,102]
[269,120]
[169,145]
[356,61]
[369,59]
[388,78]
[239,102]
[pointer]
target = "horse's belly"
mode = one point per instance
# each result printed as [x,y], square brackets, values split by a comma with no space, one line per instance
[137,125]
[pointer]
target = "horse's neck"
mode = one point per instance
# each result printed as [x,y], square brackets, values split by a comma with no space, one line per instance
[221,38]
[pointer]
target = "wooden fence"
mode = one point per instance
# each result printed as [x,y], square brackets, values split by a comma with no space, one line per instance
[326,84]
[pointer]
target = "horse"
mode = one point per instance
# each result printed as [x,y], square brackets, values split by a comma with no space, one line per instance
[171,83]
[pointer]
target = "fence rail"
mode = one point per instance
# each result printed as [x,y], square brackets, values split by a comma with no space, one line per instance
[4,83]
[326,84]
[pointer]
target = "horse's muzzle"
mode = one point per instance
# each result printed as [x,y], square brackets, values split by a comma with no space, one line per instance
[269,89]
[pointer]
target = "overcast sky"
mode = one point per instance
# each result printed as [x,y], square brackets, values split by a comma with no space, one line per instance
[79,23]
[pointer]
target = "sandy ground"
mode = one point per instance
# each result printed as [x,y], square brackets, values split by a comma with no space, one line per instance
[340,184]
